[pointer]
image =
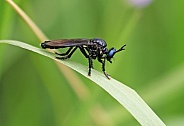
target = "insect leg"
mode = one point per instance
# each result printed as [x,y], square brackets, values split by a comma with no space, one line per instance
[82,49]
[90,65]
[72,52]
[69,55]
[103,67]
[64,54]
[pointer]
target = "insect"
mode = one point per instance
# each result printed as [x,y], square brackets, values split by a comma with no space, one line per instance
[90,48]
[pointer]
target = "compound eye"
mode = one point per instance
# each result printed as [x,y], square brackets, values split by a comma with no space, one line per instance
[111,52]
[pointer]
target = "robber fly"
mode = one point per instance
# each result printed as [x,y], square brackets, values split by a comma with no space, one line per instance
[90,48]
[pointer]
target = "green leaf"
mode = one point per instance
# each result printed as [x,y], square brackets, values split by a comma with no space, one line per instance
[126,96]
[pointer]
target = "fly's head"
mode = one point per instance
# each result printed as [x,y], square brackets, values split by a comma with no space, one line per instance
[112,52]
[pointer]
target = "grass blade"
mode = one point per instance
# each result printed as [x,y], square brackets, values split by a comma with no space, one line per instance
[122,93]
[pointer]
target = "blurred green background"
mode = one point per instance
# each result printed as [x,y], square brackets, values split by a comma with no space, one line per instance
[33,91]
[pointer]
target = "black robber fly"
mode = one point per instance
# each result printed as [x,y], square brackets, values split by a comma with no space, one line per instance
[90,48]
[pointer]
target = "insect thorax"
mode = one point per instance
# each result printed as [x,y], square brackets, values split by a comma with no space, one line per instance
[99,41]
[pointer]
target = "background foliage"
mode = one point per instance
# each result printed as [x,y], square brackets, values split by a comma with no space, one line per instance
[33,91]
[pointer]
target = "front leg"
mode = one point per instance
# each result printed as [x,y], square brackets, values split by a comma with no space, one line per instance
[103,67]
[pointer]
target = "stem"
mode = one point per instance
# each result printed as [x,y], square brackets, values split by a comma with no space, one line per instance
[76,84]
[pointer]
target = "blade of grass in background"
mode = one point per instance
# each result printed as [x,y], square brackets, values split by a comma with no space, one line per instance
[76,84]
[123,94]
